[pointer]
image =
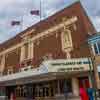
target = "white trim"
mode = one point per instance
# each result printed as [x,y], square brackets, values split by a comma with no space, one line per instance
[97,48]
[50,66]
[98,68]
[2,64]
[93,50]
[24,74]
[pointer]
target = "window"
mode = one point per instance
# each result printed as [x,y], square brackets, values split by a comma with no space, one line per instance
[98,44]
[95,48]
[2,91]
[65,86]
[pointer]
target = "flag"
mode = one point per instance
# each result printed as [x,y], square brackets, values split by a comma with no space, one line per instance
[13,23]
[35,12]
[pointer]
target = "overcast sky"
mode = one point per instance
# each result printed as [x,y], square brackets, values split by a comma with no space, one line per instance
[18,9]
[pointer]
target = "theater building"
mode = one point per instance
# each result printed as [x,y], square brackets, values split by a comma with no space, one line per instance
[48,61]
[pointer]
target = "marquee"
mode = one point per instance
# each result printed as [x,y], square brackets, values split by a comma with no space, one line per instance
[69,65]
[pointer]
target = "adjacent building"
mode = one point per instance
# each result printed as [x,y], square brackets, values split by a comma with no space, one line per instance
[48,59]
[94,43]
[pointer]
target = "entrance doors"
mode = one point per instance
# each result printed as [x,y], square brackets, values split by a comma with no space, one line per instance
[10,91]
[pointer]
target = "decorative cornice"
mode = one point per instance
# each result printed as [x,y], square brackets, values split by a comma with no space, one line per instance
[27,33]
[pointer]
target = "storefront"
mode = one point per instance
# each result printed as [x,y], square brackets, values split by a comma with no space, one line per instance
[61,79]
[43,90]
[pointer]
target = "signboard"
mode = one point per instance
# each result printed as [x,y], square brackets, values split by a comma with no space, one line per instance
[69,65]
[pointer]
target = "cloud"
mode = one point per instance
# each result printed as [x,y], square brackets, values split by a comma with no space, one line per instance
[16,9]
[92,8]
[96,21]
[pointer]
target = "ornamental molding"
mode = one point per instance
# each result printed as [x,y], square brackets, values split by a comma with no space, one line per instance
[27,33]
[59,26]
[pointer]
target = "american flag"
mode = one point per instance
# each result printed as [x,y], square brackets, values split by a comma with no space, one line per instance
[35,12]
[13,23]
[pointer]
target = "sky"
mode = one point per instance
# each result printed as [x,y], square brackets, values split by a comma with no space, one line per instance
[20,10]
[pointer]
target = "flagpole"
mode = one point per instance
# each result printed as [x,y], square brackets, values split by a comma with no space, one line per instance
[21,25]
[40,10]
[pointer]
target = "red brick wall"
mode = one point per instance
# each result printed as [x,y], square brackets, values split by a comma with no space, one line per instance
[52,45]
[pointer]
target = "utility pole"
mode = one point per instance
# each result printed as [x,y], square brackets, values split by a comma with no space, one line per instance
[40,10]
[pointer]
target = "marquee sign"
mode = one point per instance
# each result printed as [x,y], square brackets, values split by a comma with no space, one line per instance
[69,65]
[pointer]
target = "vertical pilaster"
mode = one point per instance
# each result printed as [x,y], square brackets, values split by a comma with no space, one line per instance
[58,86]
[75,86]
[22,56]
[68,55]
[30,50]
[90,82]
[96,75]
[93,51]
[2,64]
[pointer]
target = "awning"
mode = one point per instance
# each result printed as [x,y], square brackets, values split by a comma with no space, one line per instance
[42,78]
